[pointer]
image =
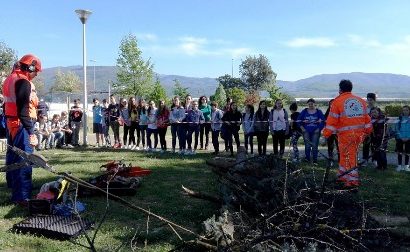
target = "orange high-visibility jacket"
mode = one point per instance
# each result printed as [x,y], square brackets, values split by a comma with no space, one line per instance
[9,93]
[348,116]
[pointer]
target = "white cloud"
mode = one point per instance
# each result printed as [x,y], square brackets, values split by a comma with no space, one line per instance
[147,37]
[400,48]
[311,42]
[189,39]
[193,46]
[364,42]
[238,52]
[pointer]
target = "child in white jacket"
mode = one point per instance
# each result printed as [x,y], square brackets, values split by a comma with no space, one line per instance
[247,126]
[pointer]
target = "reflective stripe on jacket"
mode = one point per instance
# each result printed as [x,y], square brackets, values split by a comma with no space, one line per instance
[347,113]
[9,93]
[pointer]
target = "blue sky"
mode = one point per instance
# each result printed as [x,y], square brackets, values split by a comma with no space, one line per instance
[200,38]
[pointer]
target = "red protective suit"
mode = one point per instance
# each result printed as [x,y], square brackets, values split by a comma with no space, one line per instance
[349,120]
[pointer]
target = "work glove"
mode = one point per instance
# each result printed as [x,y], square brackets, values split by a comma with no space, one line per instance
[33,140]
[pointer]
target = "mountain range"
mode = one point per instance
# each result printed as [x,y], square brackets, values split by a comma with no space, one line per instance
[324,85]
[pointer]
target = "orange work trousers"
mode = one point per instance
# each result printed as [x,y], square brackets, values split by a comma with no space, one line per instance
[349,143]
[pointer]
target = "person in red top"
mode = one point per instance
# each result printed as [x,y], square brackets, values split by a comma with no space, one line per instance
[348,119]
[162,124]
[20,108]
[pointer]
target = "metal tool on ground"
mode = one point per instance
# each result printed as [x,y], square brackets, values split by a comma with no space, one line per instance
[39,161]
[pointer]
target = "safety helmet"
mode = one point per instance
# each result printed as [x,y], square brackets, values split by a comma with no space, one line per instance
[32,61]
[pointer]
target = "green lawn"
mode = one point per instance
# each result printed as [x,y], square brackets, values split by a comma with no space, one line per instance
[161,193]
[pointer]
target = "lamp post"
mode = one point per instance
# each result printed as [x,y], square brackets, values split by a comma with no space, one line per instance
[83,15]
[94,61]
[232,68]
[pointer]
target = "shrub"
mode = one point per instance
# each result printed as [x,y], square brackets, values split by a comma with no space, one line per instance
[393,110]
[253,98]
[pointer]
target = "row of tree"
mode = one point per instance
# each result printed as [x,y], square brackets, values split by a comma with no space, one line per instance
[136,77]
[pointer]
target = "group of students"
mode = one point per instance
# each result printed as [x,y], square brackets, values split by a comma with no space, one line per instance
[307,124]
[385,129]
[141,121]
[61,131]
[193,123]
[376,143]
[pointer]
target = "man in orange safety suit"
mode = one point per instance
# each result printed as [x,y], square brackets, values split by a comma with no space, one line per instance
[348,118]
[20,108]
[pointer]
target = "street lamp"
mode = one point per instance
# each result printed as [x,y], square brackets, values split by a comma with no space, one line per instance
[232,68]
[94,61]
[83,15]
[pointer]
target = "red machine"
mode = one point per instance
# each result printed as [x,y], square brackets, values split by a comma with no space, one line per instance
[120,169]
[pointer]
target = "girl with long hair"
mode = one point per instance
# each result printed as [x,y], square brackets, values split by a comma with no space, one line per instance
[143,120]
[162,124]
[177,116]
[205,128]
[261,126]
[152,126]
[279,127]
[125,119]
[134,118]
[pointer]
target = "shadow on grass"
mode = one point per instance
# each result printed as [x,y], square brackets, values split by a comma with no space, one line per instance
[160,193]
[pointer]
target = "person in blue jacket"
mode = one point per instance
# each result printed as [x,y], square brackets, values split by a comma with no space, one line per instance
[403,139]
[311,123]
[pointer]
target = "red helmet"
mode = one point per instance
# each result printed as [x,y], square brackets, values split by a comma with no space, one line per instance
[32,61]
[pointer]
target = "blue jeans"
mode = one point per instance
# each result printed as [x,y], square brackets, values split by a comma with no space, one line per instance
[19,180]
[143,132]
[182,131]
[311,144]
[58,139]
[174,134]
[249,141]
[192,130]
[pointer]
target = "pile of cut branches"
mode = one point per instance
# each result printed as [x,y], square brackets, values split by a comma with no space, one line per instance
[270,204]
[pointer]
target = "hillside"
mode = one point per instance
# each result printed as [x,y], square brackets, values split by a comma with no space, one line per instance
[324,85]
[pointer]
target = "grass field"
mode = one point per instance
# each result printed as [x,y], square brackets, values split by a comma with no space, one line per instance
[160,192]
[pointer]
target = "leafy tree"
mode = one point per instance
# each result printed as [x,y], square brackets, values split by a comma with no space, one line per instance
[134,74]
[7,59]
[237,95]
[220,96]
[158,92]
[257,73]
[253,98]
[39,84]
[275,93]
[228,82]
[179,90]
[66,82]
